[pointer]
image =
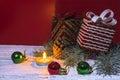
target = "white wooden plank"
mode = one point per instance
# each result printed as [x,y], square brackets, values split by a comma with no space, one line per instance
[30,71]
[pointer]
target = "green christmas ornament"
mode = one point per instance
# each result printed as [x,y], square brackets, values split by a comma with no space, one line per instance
[17,57]
[84,68]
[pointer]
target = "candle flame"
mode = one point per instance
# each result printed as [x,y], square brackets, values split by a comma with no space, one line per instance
[44,55]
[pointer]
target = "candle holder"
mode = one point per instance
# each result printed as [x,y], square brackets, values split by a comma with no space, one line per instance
[44,59]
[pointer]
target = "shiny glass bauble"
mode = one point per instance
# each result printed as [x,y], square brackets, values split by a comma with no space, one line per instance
[17,57]
[54,67]
[84,68]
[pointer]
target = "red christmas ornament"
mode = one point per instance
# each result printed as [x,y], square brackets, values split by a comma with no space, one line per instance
[53,68]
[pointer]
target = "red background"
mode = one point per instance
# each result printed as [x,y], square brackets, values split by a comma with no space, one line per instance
[25,22]
[28,22]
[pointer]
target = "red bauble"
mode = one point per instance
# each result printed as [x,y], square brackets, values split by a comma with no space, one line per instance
[53,68]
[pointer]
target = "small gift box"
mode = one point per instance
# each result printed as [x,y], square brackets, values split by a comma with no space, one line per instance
[64,31]
[96,32]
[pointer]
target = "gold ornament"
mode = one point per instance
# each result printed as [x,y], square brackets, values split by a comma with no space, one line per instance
[56,52]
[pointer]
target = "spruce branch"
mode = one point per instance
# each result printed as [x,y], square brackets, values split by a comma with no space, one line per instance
[73,55]
[48,50]
[109,63]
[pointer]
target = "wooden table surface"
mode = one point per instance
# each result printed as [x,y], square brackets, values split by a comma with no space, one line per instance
[28,70]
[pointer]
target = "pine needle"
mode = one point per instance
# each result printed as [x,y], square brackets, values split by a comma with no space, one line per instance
[109,64]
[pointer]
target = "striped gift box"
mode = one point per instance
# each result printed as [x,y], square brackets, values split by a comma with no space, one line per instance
[96,33]
[64,33]
[66,30]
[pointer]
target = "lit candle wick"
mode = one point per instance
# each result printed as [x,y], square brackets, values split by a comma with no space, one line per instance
[44,56]
[44,59]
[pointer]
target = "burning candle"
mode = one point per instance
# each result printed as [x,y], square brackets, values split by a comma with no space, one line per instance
[44,60]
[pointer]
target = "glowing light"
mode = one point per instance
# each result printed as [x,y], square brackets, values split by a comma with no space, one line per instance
[44,56]
[44,59]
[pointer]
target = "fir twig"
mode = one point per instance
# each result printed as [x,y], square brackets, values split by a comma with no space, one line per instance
[73,55]
[109,64]
[48,49]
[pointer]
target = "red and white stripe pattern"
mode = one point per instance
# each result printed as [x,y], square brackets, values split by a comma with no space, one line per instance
[95,38]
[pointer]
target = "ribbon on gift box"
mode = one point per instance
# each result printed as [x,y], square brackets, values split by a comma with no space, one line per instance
[96,32]
[102,18]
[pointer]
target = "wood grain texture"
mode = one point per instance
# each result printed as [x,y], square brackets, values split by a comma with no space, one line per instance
[30,71]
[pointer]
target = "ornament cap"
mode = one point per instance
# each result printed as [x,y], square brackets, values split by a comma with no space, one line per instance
[63,71]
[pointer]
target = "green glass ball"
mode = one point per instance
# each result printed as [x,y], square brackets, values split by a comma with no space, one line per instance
[84,68]
[17,57]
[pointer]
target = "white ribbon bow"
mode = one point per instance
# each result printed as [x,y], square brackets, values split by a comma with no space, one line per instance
[105,20]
